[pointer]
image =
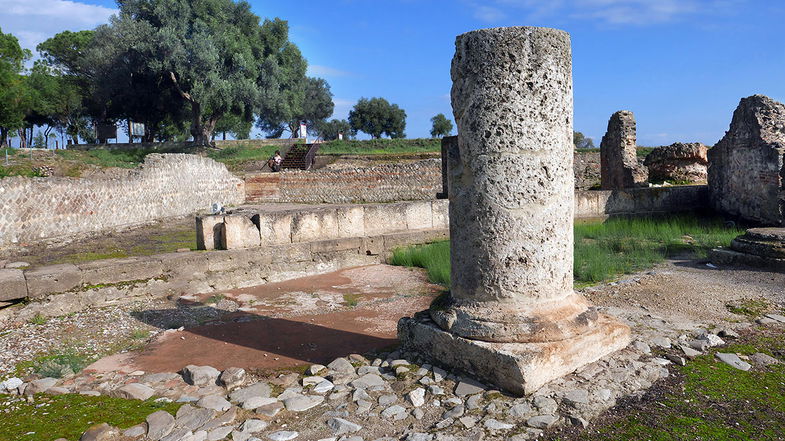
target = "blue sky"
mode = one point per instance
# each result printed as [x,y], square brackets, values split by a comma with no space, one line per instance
[680,65]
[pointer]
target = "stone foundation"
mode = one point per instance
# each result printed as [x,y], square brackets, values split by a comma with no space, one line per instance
[758,247]
[519,368]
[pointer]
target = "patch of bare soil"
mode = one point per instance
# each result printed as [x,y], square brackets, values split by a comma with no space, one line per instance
[308,320]
[692,291]
[162,236]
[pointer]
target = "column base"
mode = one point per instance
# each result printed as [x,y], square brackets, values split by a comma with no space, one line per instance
[519,368]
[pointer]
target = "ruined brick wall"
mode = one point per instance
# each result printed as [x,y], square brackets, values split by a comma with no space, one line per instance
[747,167]
[36,209]
[393,182]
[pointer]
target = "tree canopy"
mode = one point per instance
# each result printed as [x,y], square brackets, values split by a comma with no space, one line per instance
[178,66]
[329,130]
[441,126]
[582,142]
[14,91]
[377,117]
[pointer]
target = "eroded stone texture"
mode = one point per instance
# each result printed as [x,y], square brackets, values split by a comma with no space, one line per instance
[511,180]
[619,166]
[512,317]
[678,162]
[238,231]
[747,166]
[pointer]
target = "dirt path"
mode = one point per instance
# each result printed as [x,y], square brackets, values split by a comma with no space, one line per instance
[694,291]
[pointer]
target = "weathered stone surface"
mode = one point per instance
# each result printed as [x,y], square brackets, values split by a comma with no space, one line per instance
[208,232]
[733,360]
[200,375]
[232,377]
[512,317]
[341,426]
[214,402]
[13,284]
[619,166]
[301,403]
[52,279]
[159,424]
[366,381]
[341,365]
[678,162]
[109,271]
[761,242]
[100,432]
[238,231]
[136,431]
[134,391]
[519,368]
[747,166]
[255,390]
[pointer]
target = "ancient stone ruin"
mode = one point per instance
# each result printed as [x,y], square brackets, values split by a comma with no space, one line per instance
[618,156]
[758,247]
[747,166]
[512,317]
[678,162]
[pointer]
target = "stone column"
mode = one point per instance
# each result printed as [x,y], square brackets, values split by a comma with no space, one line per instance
[512,318]
[619,167]
[511,188]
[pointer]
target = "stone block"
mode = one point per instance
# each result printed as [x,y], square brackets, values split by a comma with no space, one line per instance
[52,279]
[383,218]
[329,246]
[296,252]
[441,217]
[373,246]
[238,231]
[351,221]
[208,232]
[419,215]
[275,227]
[519,368]
[314,225]
[408,238]
[109,271]
[184,263]
[12,285]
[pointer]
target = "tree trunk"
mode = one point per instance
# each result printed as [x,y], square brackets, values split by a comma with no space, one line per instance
[3,137]
[22,138]
[202,131]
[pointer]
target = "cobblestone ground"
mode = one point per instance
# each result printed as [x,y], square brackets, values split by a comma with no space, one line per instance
[676,311]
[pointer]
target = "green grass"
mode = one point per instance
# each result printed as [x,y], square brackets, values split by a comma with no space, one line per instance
[381,146]
[129,158]
[38,319]
[140,334]
[24,169]
[712,402]
[352,300]
[68,416]
[56,365]
[236,156]
[604,250]
[435,258]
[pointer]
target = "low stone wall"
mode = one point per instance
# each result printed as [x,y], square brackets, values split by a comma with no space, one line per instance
[63,289]
[641,201]
[393,182]
[37,209]
[180,146]
[248,227]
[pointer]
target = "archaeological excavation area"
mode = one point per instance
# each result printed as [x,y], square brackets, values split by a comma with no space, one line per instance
[506,287]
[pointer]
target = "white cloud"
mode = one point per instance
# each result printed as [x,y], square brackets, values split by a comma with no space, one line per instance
[488,14]
[33,21]
[326,71]
[613,12]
